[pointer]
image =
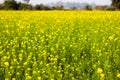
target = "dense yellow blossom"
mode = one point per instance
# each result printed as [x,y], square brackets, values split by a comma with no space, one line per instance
[59,45]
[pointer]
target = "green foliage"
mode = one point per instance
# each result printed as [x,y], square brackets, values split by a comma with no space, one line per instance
[38,7]
[23,6]
[10,5]
[42,7]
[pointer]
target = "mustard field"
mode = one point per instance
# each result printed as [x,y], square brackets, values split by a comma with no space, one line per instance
[59,45]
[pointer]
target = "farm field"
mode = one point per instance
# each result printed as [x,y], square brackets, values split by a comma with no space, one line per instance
[59,45]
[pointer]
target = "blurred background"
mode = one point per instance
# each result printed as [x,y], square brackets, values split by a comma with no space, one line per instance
[60,5]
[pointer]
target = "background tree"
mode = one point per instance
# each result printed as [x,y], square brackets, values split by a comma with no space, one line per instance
[58,7]
[88,7]
[116,4]
[10,5]
[24,6]
[39,7]
[1,6]
[74,8]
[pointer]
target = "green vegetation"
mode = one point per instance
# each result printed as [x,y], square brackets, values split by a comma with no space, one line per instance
[59,45]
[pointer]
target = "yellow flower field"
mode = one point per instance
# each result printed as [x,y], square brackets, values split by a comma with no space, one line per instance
[59,45]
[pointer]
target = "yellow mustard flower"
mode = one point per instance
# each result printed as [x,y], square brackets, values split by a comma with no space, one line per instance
[6,64]
[99,70]
[118,75]
[39,78]
[13,78]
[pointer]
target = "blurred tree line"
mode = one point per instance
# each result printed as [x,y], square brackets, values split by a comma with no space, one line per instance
[14,5]
[116,4]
